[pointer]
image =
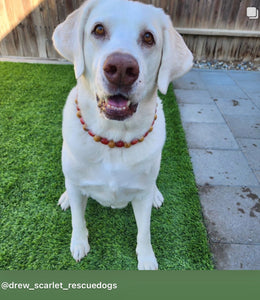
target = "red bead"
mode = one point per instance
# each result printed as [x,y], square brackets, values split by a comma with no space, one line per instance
[91,133]
[135,141]
[146,134]
[120,144]
[82,121]
[104,141]
[78,108]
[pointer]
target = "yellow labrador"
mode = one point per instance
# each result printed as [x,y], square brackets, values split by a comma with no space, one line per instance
[113,121]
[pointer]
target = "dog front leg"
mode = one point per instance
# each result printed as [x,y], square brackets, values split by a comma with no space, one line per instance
[79,246]
[145,255]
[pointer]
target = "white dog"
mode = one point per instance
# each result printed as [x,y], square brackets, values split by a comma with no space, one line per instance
[113,122]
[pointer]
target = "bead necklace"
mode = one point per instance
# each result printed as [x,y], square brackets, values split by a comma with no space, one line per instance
[112,143]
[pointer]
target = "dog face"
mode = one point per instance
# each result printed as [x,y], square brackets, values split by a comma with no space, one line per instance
[125,50]
[125,55]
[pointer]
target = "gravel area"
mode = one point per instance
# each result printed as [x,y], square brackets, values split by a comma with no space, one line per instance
[223,65]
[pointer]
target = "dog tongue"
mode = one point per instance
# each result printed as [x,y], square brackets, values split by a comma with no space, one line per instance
[117,101]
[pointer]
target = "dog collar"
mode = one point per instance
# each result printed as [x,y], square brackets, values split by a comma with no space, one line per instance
[112,143]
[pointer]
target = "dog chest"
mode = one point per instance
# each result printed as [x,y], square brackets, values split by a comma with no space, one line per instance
[114,186]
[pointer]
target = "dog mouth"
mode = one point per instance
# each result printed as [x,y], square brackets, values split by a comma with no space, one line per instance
[117,107]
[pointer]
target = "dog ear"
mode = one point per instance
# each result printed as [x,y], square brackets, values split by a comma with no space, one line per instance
[68,38]
[176,57]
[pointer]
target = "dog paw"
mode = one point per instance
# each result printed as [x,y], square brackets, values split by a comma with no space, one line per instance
[147,263]
[146,258]
[79,246]
[158,199]
[64,201]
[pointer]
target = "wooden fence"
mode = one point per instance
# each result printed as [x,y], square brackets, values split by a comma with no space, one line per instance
[212,29]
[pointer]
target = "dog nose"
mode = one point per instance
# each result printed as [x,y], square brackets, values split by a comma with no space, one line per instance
[121,69]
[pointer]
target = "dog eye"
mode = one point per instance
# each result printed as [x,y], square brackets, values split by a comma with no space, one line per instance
[148,39]
[99,30]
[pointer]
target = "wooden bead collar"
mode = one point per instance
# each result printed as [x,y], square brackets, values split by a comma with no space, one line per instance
[111,143]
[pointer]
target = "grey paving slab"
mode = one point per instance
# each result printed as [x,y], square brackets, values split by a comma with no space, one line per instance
[221,167]
[209,135]
[200,113]
[232,214]
[190,81]
[237,106]
[221,85]
[216,78]
[244,126]
[236,257]
[226,91]
[255,97]
[193,97]
[251,149]
[248,81]
[257,174]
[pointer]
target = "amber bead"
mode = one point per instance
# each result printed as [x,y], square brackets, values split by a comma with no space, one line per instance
[127,145]
[97,138]
[111,144]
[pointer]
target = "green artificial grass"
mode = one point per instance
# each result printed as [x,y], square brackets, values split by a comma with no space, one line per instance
[35,233]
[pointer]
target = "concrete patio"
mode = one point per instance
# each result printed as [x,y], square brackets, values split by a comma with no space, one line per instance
[220,113]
